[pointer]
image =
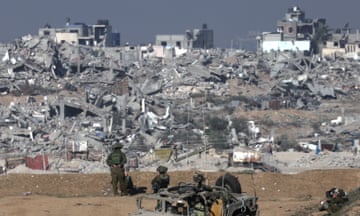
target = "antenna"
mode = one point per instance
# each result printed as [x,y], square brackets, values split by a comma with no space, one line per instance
[253,183]
[67,20]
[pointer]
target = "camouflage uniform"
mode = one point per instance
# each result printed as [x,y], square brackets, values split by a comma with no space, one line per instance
[116,161]
[162,180]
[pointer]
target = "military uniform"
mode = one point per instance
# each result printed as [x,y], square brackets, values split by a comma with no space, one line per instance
[116,161]
[162,180]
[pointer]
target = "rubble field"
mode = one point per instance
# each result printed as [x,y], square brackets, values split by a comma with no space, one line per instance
[60,102]
[89,194]
[62,107]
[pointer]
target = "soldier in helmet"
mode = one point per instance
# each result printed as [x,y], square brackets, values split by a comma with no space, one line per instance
[162,180]
[200,180]
[116,161]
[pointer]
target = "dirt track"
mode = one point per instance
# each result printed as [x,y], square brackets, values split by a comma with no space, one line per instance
[77,194]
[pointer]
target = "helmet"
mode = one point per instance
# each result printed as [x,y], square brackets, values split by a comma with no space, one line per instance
[198,178]
[117,146]
[162,169]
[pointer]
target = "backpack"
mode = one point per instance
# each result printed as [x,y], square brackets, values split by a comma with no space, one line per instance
[117,158]
[129,183]
[164,180]
[160,181]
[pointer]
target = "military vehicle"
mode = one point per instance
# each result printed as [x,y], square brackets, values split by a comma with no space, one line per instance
[335,199]
[225,198]
[242,155]
[246,157]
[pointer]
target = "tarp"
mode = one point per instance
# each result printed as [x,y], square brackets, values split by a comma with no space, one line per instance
[37,163]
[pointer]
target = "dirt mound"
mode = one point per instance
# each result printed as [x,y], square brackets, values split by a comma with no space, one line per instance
[73,194]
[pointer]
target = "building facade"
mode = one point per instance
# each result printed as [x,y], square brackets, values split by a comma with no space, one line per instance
[99,34]
[294,32]
[197,38]
[342,44]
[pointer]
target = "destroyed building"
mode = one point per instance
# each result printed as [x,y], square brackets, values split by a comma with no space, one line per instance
[192,39]
[342,43]
[68,100]
[297,33]
[294,33]
[80,33]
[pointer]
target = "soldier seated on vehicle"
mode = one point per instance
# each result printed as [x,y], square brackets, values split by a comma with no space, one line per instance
[162,180]
[200,180]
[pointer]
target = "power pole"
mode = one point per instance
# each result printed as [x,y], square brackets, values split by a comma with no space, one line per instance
[187,135]
[78,56]
[204,138]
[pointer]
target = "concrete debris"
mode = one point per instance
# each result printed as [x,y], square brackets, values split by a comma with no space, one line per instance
[74,101]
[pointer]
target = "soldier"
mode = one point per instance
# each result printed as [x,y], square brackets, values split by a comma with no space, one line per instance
[116,161]
[162,180]
[129,182]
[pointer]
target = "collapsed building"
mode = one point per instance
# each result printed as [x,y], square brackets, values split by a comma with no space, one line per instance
[294,32]
[69,100]
[196,38]
[99,34]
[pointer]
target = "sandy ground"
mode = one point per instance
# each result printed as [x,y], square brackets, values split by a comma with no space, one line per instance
[87,194]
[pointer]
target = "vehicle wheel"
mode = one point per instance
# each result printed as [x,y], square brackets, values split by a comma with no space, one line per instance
[229,182]
[247,213]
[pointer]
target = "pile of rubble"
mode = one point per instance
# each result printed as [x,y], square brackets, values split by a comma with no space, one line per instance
[71,101]
[293,162]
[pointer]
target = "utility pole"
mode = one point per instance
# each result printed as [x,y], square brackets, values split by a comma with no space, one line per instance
[43,159]
[205,138]
[78,60]
[187,134]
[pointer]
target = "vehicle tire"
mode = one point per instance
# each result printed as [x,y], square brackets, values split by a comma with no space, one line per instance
[247,213]
[229,182]
[240,213]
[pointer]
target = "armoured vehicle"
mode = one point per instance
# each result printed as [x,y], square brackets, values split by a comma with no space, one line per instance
[225,198]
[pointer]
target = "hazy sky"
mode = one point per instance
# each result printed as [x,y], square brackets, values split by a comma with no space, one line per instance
[138,21]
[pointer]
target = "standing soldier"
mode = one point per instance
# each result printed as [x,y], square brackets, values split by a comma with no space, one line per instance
[116,161]
[162,180]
